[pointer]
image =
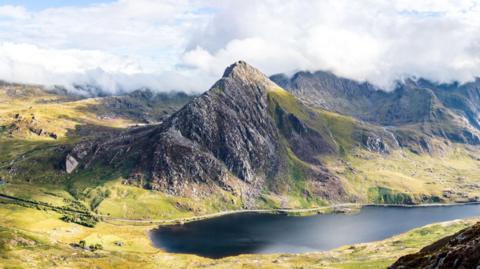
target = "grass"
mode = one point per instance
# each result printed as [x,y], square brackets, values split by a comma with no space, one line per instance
[395,177]
[51,194]
[423,177]
[36,158]
[30,164]
[382,195]
[42,240]
[340,128]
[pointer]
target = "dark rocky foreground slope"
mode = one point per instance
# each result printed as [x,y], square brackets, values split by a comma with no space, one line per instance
[235,137]
[459,251]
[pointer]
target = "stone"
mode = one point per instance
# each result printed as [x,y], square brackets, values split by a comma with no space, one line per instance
[71,164]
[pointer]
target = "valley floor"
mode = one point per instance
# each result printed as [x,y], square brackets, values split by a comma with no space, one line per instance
[32,238]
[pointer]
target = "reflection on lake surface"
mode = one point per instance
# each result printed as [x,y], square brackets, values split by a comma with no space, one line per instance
[266,233]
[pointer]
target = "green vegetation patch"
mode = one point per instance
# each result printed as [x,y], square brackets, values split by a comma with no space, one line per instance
[382,195]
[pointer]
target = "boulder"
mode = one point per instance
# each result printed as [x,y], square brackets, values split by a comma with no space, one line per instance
[70,164]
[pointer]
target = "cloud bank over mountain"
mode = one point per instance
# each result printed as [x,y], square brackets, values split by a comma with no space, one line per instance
[185,45]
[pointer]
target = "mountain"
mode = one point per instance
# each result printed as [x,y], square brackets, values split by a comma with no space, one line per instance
[31,111]
[237,137]
[461,250]
[111,161]
[416,110]
[143,105]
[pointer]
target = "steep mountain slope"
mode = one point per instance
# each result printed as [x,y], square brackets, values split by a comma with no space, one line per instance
[236,137]
[419,109]
[461,250]
[325,90]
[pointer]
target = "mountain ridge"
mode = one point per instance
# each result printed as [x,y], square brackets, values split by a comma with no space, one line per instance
[444,111]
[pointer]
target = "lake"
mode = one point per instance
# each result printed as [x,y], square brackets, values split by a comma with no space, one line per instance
[269,233]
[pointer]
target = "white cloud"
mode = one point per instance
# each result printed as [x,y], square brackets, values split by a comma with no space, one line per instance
[186,44]
[379,41]
[15,12]
[24,63]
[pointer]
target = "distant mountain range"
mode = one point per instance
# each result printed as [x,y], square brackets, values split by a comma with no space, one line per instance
[450,111]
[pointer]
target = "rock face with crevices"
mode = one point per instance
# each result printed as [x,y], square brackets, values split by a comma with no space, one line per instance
[459,251]
[232,122]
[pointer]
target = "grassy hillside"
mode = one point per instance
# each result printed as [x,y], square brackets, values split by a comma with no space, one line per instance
[451,174]
[31,168]
[451,177]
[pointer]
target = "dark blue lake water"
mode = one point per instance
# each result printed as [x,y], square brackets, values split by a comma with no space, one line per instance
[266,233]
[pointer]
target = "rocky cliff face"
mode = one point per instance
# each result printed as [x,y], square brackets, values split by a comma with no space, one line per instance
[416,111]
[226,138]
[232,122]
[459,251]
[325,90]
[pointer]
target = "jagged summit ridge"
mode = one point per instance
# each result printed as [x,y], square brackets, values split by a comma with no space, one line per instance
[242,69]
[248,75]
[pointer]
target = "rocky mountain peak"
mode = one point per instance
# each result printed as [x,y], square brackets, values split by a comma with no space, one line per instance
[248,75]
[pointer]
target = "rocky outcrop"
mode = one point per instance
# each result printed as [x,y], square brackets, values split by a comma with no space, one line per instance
[24,125]
[459,251]
[375,143]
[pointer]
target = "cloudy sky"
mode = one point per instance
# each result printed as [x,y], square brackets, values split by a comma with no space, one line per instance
[186,44]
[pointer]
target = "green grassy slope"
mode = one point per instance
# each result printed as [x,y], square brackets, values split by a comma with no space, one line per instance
[398,177]
[31,238]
